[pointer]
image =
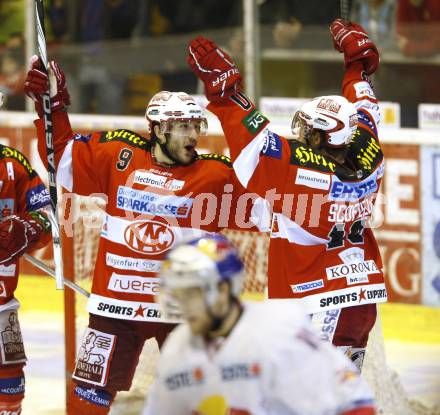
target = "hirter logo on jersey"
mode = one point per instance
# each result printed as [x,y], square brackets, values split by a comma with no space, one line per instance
[148,237]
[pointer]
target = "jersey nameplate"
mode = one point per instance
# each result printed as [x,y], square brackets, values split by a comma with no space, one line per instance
[125,136]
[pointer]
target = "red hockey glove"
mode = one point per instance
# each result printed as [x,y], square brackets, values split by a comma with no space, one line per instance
[36,83]
[352,40]
[215,68]
[19,233]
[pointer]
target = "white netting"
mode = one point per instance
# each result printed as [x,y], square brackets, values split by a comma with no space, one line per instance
[390,395]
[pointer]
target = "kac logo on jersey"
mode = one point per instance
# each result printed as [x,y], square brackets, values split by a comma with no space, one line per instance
[272,145]
[37,197]
[148,237]
[349,191]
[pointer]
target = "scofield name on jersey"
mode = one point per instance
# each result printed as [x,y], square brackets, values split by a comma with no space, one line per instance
[152,203]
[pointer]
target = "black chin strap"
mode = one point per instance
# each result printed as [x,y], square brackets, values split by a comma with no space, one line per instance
[164,148]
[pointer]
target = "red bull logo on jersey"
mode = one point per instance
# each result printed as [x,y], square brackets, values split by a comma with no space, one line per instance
[148,237]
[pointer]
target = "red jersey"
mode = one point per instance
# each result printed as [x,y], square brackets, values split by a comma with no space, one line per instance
[321,250]
[150,208]
[21,191]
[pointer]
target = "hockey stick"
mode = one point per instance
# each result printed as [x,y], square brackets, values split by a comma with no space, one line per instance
[345,10]
[51,272]
[41,37]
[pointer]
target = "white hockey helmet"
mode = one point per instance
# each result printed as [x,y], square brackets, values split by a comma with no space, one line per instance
[166,107]
[203,262]
[334,115]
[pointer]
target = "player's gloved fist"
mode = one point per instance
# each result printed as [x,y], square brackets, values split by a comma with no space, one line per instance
[36,84]
[352,40]
[215,68]
[18,233]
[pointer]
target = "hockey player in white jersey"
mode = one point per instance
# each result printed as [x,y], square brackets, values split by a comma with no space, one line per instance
[234,358]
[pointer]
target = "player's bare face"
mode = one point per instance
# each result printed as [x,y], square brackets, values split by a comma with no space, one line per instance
[182,141]
[194,308]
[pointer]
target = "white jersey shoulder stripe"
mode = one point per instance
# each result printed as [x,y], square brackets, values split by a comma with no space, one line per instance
[248,159]
[64,169]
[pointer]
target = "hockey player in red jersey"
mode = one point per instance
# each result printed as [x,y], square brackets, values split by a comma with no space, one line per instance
[158,192]
[322,250]
[24,227]
[243,358]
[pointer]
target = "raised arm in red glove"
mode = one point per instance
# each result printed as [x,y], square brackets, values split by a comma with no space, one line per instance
[36,83]
[20,233]
[352,40]
[215,68]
